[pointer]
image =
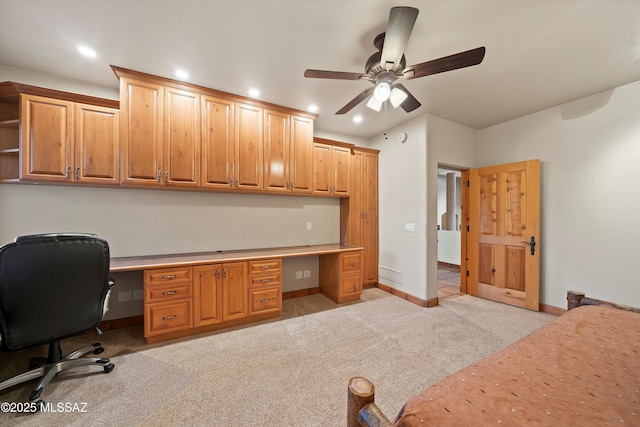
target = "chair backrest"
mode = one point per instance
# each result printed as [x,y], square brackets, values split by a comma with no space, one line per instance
[51,286]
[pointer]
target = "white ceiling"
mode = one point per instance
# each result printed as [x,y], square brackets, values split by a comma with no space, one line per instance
[540,53]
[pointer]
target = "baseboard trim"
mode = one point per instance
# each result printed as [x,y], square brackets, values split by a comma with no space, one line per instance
[414,300]
[545,308]
[300,293]
[124,322]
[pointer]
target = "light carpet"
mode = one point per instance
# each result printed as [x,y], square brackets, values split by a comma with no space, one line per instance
[288,372]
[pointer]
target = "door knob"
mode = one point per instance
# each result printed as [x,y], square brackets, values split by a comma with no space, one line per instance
[532,244]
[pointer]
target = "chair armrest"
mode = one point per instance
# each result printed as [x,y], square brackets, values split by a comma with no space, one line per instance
[111,283]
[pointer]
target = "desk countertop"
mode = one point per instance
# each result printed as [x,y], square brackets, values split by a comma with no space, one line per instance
[200,258]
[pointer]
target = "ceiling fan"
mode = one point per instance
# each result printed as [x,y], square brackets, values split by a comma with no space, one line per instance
[387,65]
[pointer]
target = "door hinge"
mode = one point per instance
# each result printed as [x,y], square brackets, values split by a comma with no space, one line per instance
[467,273]
[467,228]
[467,183]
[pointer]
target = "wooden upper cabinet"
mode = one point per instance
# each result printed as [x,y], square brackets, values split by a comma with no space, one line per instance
[301,154]
[65,141]
[97,148]
[141,108]
[181,138]
[331,170]
[47,139]
[248,147]
[217,143]
[276,151]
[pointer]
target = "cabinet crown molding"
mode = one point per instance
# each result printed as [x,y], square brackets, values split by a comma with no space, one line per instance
[137,75]
[10,91]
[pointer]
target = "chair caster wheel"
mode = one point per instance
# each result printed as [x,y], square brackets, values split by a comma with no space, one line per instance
[98,350]
[108,368]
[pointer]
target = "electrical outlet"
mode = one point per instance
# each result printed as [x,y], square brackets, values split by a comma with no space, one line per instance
[307,274]
[298,274]
[138,294]
[309,225]
[410,227]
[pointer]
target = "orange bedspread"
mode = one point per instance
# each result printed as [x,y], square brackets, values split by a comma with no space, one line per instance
[581,369]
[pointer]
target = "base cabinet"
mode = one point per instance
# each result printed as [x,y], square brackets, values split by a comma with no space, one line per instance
[168,304]
[341,280]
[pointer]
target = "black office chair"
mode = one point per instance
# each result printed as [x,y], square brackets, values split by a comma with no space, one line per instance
[53,286]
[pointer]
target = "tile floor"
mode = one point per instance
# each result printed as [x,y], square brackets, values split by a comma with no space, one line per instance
[448,281]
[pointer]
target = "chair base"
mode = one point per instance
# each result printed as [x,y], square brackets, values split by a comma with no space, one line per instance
[56,364]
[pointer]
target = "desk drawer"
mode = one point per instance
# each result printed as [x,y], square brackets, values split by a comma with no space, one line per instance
[165,276]
[350,284]
[264,266]
[265,300]
[350,262]
[167,317]
[265,280]
[167,292]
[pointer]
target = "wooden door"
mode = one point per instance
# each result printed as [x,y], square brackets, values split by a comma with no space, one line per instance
[340,173]
[234,291]
[276,151]
[248,130]
[217,143]
[504,233]
[370,229]
[207,294]
[141,107]
[181,138]
[47,139]
[97,148]
[301,155]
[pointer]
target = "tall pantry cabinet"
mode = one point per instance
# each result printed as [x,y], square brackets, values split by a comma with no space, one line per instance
[359,213]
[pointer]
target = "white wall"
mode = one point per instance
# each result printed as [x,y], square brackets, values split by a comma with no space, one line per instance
[590,191]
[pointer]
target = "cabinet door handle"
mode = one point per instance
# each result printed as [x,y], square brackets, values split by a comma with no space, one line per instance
[169,293]
[355,287]
[218,273]
[68,172]
[77,174]
[230,181]
[166,176]
[173,316]
[169,277]
[236,181]
[224,272]
[159,176]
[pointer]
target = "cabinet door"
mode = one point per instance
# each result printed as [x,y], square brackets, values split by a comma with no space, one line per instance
[234,291]
[322,182]
[248,147]
[355,202]
[141,106]
[301,155]
[276,151]
[47,139]
[97,148]
[217,143]
[181,138]
[207,295]
[340,171]
[370,191]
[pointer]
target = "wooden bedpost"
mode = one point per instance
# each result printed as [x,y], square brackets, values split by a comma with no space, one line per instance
[361,408]
[361,392]
[574,299]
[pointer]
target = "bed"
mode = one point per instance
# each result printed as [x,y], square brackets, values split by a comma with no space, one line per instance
[583,368]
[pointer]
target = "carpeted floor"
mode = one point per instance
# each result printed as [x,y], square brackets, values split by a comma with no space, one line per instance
[292,371]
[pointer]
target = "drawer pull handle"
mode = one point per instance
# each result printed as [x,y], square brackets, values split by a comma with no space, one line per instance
[173,316]
[352,263]
[265,267]
[169,293]
[169,277]
[265,280]
[264,301]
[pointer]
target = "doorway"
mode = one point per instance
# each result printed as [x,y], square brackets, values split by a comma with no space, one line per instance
[449,232]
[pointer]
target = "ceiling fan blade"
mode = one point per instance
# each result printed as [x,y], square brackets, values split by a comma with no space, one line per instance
[447,63]
[355,101]
[409,104]
[340,75]
[401,22]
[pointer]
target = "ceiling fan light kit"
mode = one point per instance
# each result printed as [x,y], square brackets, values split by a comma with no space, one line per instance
[387,65]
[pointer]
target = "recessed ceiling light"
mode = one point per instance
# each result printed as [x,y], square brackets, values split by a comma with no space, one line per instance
[182,74]
[87,51]
[313,108]
[254,92]
[357,119]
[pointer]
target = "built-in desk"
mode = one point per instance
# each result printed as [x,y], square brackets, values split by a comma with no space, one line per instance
[190,293]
